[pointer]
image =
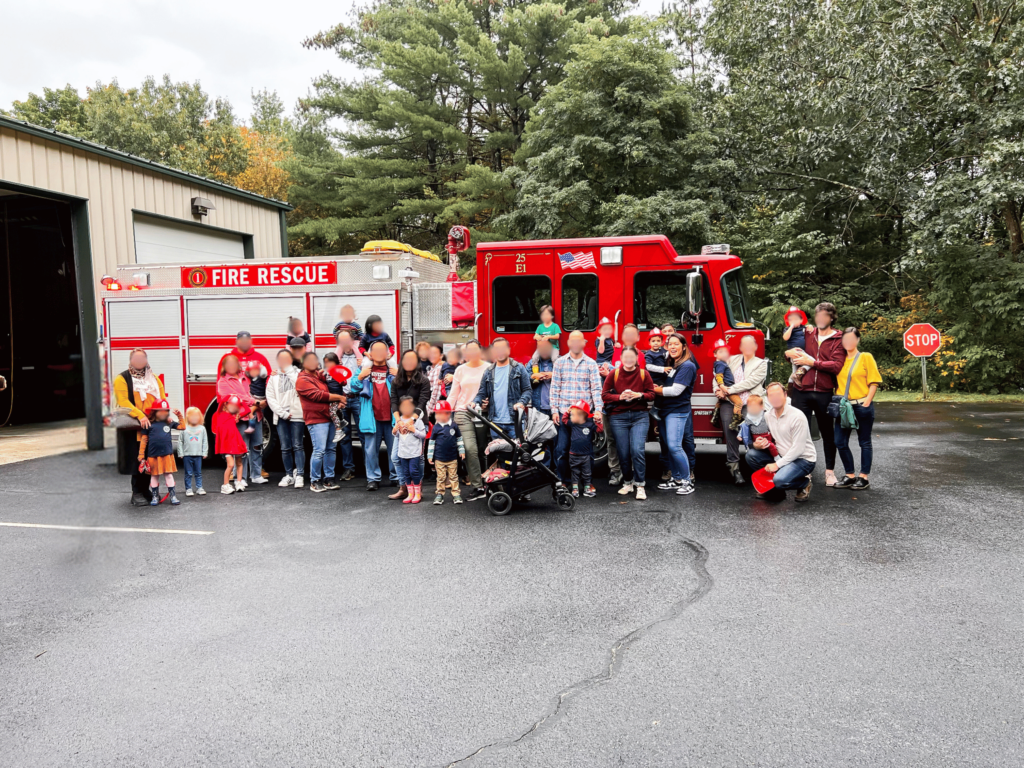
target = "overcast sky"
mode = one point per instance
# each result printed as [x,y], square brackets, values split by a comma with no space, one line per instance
[231,47]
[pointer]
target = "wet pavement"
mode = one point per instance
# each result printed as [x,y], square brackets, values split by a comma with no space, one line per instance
[876,628]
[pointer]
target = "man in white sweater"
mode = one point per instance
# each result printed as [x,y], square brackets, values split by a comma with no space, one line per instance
[793,466]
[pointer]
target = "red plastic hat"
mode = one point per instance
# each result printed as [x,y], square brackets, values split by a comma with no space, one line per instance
[234,400]
[656,332]
[159,405]
[340,374]
[443,405]
[794,310]
[719,343]
[762,480]
[583,405]
[604,321]
[254,363]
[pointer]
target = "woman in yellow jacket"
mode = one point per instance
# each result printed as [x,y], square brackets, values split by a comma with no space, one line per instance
[864,380]
[135,389]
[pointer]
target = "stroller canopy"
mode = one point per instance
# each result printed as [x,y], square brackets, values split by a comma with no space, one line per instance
[538,428]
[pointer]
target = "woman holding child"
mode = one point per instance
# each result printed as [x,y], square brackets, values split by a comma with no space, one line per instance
[748,373]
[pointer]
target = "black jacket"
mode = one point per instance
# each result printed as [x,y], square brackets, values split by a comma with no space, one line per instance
[420,394]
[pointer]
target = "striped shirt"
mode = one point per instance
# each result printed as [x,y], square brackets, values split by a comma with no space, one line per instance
[573,380]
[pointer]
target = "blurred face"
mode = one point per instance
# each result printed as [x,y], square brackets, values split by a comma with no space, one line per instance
[577,416]
[755,406]
[656,342]
[379,353]
[139,361]
[328,364]
[629,359]
[777,397]
[823,320]
[161,415]
[232,408]
[850,342]
[410,361]
[295,327]
[501,351]
[442,417]
[547,317]
[793,320]
[674,347]
[472,353]
[630,336]
[452,357]
[606,331]
[544,349]
[310,362]
[722,353]
[284,360]
[748,346]
[406,408]
[345,341]
[244,344]
[434,355]
[194,419]
[423,352]
[231,367]
[576,342]
[297,353]
[348,314]
[377,328]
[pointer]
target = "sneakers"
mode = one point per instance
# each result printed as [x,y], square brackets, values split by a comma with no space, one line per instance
[830,478]
[240,485]
[575,490]
[200,491]
[299,481]
[373,485]
[456,498]
[286,481]
[227,488]
[189,492]
[591,492]
[338,435]
[259,480]
[615,478]
[249,430]
[805,493]
[349,475]
[626,489]
[330,485]
[476,493]
[641,494]
[668,485]
[439,500]
[316,487]
[685,488]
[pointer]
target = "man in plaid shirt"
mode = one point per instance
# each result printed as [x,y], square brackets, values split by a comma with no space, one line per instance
[575,377]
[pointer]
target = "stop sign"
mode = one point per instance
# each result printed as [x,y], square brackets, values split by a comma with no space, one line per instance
[922,340]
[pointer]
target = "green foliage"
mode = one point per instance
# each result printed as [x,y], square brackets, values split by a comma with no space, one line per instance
[59,109]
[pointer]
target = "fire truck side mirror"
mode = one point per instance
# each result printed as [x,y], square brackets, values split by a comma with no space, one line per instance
[694,294]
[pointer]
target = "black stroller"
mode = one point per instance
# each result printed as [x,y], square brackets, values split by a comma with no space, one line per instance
[518,469]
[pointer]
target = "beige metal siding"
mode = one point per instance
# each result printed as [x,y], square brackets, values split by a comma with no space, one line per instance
[115,189]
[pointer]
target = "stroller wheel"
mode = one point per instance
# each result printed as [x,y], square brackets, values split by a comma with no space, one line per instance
[566,502]
[500,503]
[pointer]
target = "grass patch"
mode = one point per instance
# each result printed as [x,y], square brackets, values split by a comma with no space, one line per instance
[910,396]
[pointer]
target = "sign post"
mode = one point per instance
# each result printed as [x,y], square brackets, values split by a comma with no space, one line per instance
[922,340]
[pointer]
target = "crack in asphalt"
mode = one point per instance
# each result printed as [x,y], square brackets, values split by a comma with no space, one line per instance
[616,654]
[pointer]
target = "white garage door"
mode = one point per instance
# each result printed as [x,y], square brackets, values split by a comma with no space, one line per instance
[158,241]
[327,308]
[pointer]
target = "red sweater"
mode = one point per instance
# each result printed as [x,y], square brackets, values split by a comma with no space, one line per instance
[627,380]
[314,396]
[828,362]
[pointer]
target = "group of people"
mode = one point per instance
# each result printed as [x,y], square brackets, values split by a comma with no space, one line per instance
[420,407]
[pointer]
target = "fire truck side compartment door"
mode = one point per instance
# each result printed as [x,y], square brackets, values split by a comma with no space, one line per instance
[327,308]
[154,325]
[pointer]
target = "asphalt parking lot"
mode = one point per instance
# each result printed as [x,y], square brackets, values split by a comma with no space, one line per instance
[879,628]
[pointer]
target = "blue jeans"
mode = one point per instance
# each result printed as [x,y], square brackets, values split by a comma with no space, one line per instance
[793,475]
[254,442]
[508,428]
[371,451]
[679,436]
[630,428]
[193,472]
[411,470]
[403,477]
[321,465]
[293,454]
[865,421]
[562,452]
[348,457]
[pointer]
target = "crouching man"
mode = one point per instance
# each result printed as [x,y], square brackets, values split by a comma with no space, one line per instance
[794,464]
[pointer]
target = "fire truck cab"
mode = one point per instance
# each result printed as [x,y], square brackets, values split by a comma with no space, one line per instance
[639,280]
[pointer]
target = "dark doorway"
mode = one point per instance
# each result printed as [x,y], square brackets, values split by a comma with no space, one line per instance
[40,334]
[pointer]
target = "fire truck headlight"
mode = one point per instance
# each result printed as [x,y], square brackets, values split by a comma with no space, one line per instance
[611,255]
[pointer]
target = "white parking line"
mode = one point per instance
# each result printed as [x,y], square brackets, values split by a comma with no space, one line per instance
[104,529]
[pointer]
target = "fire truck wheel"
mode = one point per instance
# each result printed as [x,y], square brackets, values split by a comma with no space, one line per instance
[600,451]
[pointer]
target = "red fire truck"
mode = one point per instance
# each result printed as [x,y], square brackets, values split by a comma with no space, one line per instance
[187,317]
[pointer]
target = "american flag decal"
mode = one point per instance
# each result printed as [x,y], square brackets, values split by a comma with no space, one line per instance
[578,260]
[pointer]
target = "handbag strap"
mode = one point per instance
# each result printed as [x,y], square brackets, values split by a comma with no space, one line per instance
[849,376]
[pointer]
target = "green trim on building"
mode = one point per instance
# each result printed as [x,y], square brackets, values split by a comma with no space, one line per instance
[123,157]
[284,234]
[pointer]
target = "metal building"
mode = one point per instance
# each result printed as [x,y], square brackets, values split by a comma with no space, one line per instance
[72,211]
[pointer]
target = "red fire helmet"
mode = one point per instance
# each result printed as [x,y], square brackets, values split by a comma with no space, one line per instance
[159,405]
[443,406]
[582,405]
[795,310]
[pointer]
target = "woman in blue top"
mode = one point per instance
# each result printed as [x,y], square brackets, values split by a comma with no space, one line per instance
[677,420]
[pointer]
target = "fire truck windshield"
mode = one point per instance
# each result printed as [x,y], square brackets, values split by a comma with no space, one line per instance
[660,298]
